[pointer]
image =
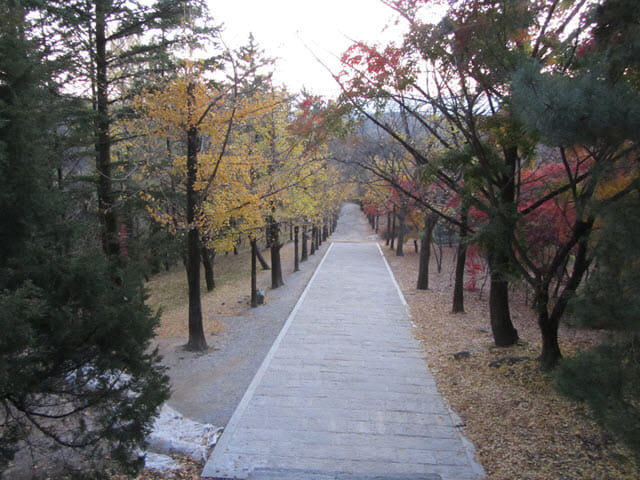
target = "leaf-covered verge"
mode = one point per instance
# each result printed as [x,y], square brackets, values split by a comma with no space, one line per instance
[190,471]
[520,426]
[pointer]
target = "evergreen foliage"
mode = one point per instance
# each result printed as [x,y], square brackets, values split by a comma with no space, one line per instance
[607,378]
[605,91]
[77,378]
[611,298]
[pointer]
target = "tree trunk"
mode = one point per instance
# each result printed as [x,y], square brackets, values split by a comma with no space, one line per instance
[425,252]
[393,228]
[254,274]
[458,287]
[296,261]
[313,240]
[304,256]
[401,228]
[106,207]
[276,265]
[461,260]
[549,324]
[197,340]
[551,354]
[208,258]
[263,264]
[236,244]
[504,334]
[437,251]
[388,229]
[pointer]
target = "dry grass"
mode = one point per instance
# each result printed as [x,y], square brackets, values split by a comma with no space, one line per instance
[521,428]
[168,292]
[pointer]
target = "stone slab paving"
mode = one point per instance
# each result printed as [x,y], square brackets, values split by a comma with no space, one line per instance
[344,393]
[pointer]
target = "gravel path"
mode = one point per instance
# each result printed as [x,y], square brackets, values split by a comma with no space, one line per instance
[207,387]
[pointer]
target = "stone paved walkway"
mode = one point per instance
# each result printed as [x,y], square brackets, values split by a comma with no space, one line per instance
[344,392]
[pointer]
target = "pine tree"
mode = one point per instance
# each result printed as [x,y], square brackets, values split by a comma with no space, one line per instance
[77,376]
[111,46]
[607,377]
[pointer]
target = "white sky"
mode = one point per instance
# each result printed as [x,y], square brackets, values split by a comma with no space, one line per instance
[283,27]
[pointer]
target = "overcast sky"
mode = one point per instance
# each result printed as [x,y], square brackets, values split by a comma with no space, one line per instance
[283,28]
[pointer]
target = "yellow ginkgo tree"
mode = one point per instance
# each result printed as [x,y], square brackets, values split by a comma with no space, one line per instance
[196,117]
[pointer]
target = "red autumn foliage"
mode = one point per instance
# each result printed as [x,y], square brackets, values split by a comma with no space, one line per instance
[546,228]
[370,68]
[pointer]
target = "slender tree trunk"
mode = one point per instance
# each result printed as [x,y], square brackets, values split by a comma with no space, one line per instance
[461,260]
[296,261]
[108,217]
[393,228]
[377,222]
[388,229]
[437,251]
[208,259]
[254,273]
[263,264]
[197,340]
[312,240]
[549,323]
[402,216]
[276,265]
[551,354]
[425,252]
[304,256]
[236,244]
[458,287]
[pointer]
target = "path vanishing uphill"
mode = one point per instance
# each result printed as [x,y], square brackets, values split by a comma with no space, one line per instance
[344,392]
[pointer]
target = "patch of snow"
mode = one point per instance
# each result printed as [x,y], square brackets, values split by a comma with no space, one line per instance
[159,462]
[173,433]
[88,377]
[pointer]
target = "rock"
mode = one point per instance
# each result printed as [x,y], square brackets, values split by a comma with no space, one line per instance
[159,462]
[507,360]
[174,434]
[462,355]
